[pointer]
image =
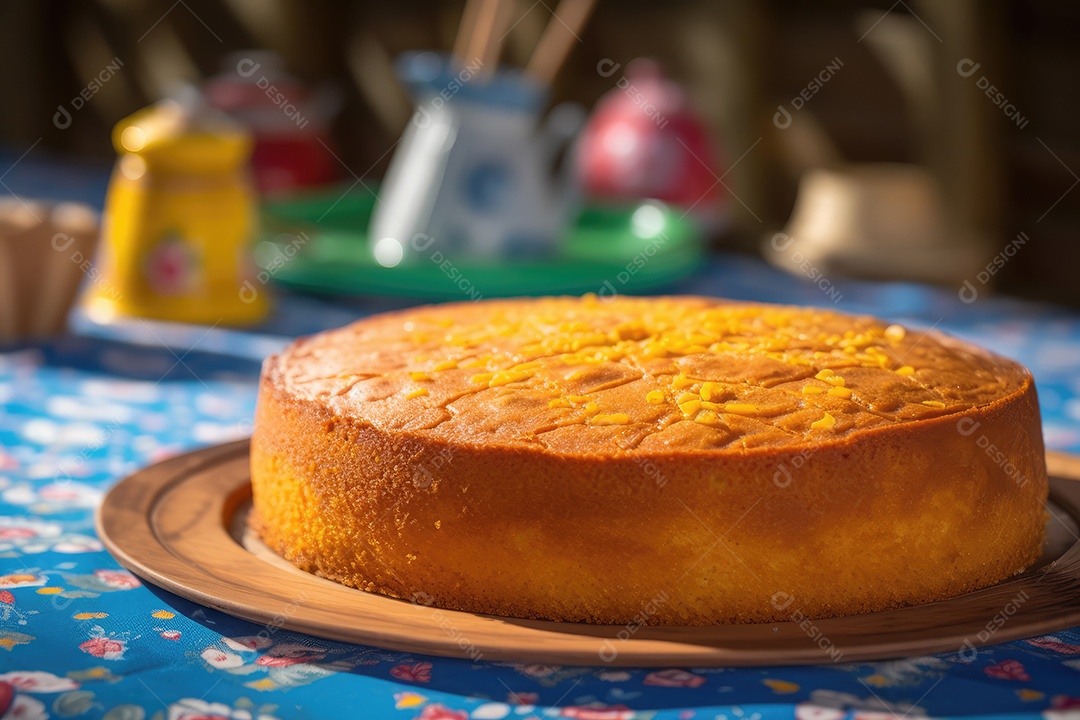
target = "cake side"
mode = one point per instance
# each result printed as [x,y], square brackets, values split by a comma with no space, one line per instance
[598,530]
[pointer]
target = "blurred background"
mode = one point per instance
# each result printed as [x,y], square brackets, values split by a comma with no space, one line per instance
[913,140]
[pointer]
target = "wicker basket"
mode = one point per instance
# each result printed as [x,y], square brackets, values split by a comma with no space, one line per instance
[46,251]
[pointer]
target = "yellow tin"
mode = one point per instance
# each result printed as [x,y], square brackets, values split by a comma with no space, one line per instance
[180,218]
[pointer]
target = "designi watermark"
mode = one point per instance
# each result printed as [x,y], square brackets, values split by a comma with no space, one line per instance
[782,117]
[782,243]
[608,291]
[782,601]
[278,621]
[247,67]
[968,652]
[62,118]
[968,427]
[284,252]
[422,117]
[608,67]
[609,650]
[389,252]
[452,631]
[968,292]
[967,68]
[651,471]
[62,242]
[783,478]
[423,475]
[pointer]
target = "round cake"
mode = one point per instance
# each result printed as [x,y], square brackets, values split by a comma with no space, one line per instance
[664,461]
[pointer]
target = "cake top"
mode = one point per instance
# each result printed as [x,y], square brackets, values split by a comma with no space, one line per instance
[670,373]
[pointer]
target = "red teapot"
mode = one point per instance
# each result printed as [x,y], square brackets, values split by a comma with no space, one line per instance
[286,118]
[644,140]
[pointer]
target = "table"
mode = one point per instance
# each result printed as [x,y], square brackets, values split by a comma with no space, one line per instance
[82,638]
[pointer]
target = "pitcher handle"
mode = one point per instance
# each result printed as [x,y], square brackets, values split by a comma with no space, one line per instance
[560,131]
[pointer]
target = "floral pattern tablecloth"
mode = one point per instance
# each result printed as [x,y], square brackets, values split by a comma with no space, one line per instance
[82,638]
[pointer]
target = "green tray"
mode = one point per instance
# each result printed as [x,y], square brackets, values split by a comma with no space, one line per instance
[605,251]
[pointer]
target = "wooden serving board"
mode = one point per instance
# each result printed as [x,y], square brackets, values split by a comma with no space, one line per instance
[181,524]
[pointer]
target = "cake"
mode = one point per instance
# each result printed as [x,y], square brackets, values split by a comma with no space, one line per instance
[664,461]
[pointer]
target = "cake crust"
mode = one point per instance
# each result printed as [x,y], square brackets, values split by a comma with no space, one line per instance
[576,460]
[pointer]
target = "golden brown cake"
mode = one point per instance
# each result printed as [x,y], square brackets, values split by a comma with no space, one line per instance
[675,460]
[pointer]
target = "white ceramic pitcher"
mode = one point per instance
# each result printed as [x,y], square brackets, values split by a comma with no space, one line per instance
[474,173]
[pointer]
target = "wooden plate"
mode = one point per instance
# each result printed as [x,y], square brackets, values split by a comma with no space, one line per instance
[181,525]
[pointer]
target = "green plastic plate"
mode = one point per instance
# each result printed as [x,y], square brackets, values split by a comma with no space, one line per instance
[319,243]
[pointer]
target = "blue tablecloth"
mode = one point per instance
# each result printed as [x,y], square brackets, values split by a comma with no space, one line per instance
[82,638]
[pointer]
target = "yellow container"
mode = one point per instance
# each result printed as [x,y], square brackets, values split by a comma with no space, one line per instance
[180,218]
